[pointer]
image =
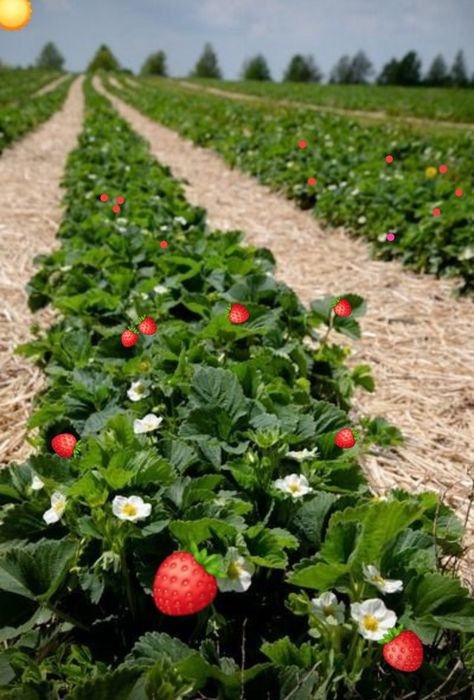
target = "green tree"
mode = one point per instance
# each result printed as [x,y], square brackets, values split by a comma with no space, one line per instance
[352,71]
[50,57]
[459,76]
[256,68]
[104,60]
[437,75]
[207,65]
[302,69]
[155,64]
[407,71]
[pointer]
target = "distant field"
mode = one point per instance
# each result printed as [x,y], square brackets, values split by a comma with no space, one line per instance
[446,104]
[15,85]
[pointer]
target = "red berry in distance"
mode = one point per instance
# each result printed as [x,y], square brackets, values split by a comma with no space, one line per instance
[345,439]
[182,586]
[104,197]
[120,200]
[147,326]
[343,308]
[238,314]
[64,444]
[405,652]
[129,338]
[116,209]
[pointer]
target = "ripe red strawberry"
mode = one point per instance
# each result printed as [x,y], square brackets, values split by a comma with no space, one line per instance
[238,313]
[403,651]
[129,338]
[345,439]
[182,585]
[147,326]
[342,308]
[64,444]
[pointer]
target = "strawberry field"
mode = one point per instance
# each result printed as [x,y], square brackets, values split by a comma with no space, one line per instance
[21,110]
[214,536]
[354,185]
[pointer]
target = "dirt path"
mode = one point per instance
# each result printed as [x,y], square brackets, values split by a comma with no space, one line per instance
[418,340]
[49,87]
[359,114]
[30,212]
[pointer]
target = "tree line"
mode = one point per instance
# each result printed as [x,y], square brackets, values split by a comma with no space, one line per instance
[355,70]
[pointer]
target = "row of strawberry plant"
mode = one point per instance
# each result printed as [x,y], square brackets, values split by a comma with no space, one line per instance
[354,186]
[203,434]
[15,84]
[446,104]
[26,113]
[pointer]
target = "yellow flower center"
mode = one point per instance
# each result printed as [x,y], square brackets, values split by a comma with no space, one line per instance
[328,610]
[129,509]
[377,579]
[139,389]
[233,570]
[58,507]
[370,623]
[294,488]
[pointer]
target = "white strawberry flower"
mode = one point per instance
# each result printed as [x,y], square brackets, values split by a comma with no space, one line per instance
[294,484]
[137,391]
[302,455]
[373,618]
[147,424]
[160,289]
[239,573]
[131,508]
[328,609]
[58,506]
[36,483]
[386,585]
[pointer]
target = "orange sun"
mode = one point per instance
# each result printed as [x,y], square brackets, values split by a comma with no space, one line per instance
[14,14]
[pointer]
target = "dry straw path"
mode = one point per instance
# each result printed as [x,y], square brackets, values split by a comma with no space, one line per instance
[417,338]
[30,212]
[357,113]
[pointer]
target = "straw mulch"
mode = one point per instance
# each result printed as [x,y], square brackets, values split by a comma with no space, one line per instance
[30,212]
[357,113]
[418,340]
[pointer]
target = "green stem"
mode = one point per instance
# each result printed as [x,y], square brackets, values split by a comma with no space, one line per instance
[128,585]
[66,617]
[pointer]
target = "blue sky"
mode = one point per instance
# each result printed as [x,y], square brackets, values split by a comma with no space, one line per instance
[241,28]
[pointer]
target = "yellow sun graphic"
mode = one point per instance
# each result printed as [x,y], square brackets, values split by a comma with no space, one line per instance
[14,14]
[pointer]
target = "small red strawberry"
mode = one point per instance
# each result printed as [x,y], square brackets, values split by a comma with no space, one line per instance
[402,650]
[147,326]
[345,439]
[129,337]
[65,445]
[237,313]
[342,308]
[184,583]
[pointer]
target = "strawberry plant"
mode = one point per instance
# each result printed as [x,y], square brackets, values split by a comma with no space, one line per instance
[356,188]
[208,445]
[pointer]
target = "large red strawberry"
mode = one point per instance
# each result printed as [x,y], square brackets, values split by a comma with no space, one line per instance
[345,439]
[64,444]
[129,337]
[184,583]
[147,326]
[402,650]
[342,308]
[237,313]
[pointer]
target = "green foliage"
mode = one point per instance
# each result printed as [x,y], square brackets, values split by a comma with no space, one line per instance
[406,71]
[352,71]
[104,59]
[50,57]
[21,110]
[207,65]
[302,69]
[438,74]
[155,64]
[239,406]
[355,186]
[459,74]
[256,68]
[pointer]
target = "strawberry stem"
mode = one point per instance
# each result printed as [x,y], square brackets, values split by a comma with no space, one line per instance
[391,634]
[209,562]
